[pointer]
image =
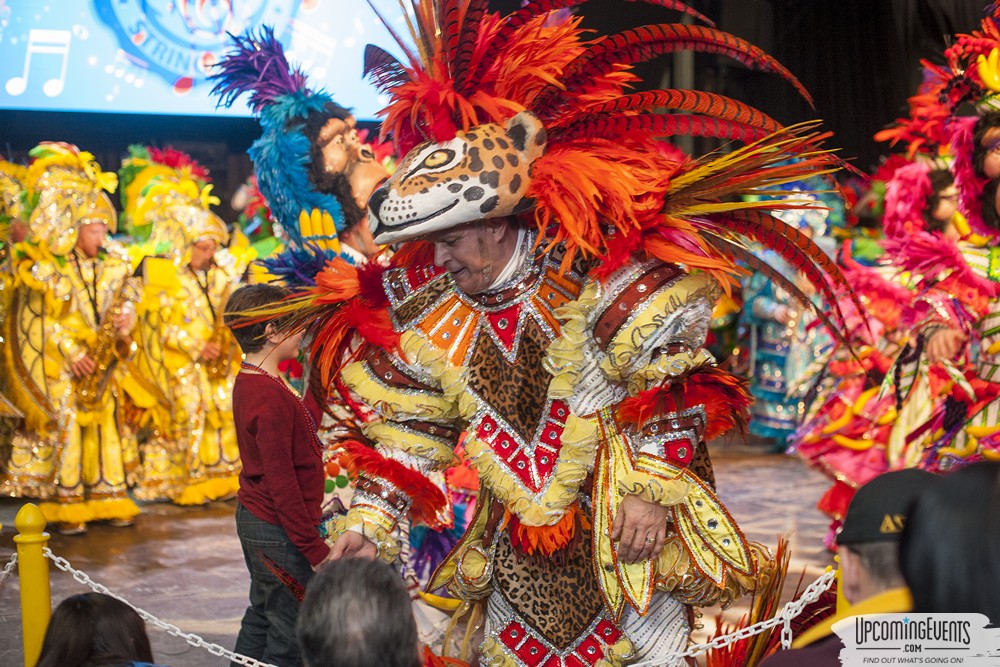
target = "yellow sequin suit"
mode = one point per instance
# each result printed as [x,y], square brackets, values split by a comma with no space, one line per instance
[73,456]
[198,459]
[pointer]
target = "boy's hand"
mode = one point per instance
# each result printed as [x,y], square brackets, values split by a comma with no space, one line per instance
[353,545]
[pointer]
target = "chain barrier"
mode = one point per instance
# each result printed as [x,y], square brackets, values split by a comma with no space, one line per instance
[11,564]
[788,612]
[192,639]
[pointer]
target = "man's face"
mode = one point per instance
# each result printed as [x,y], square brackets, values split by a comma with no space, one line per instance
[991,163]
[343,153]
[90,237]
[463,252]
[202,254]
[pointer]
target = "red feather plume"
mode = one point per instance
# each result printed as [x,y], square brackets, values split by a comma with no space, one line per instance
[692,101]
[427,499]
[646,42]
[612,125]
[725,397]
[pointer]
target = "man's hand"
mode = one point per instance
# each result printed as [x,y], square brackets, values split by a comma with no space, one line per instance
[83,366]
[945,344]
[352,545]
[125,321]
[639,528]
[211,351]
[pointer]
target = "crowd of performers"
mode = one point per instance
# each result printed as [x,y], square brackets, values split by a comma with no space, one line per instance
[507,332]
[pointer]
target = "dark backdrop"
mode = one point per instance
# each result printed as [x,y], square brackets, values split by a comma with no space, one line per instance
[858,58]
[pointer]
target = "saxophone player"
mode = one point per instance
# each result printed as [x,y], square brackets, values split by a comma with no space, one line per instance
[183,344]
[204,365]
[70,325]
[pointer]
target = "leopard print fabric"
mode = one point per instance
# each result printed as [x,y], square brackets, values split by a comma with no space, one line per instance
[516,391]
[559,600]
[416,305]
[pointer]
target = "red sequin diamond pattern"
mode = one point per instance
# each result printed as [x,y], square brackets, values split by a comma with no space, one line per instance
[533,471]
[505,325]
[533,653]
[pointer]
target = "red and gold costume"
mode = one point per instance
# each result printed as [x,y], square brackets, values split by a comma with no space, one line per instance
[579,375]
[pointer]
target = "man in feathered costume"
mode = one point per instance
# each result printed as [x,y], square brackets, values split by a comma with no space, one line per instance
[309,158]
[551,299]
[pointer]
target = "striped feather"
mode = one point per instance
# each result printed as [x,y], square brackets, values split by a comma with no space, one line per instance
[382,68]
[413,58]
[612,125]
[467,39]
[800,251]
[691,101]
[450,14]
[742,254]
[647,42]
[680,7]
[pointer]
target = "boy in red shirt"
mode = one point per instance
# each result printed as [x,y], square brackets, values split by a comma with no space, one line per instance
[281,485]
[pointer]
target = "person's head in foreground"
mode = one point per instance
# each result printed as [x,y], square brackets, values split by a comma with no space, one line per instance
[94,629]
[254,336]
[951,545]
[357,613]
[873,526]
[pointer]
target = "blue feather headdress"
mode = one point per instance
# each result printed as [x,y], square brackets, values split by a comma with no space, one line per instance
[280,97]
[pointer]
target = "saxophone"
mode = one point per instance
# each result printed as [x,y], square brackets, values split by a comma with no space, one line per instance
[222,366]
[108,349]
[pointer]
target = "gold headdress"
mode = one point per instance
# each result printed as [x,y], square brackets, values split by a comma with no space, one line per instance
[166,199]
[65,189]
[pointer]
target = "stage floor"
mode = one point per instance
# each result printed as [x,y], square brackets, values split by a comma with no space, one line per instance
[185,565]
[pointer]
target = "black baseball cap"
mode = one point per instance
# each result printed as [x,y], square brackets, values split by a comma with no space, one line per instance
[878,511]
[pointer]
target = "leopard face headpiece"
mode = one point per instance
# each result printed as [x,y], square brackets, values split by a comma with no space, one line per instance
[483,173]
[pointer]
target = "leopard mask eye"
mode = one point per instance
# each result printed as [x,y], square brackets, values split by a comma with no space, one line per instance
[438,158]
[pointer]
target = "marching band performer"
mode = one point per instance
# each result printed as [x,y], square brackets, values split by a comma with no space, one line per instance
[551,298]
[185,345]
[70,326]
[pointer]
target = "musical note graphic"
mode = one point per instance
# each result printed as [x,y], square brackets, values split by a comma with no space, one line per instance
[43,42]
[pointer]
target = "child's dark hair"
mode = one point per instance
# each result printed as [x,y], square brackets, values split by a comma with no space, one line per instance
[94,629]
[252,336]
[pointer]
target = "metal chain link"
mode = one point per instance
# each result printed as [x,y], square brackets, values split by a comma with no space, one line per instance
[11,564]
[788,612]
[192,639]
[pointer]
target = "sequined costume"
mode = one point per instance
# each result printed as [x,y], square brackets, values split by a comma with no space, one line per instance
[781,346]
[190,456]
[12,229]
[70,450]
[946,381]
[783,337]
[579,374]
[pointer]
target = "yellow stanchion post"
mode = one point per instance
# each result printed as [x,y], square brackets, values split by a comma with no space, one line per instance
[33,573]
[842,604]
